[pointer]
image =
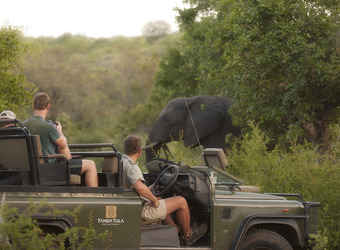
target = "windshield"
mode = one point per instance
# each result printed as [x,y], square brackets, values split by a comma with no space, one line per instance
[219,177]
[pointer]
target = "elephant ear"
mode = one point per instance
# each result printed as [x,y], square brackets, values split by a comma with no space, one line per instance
[207,114]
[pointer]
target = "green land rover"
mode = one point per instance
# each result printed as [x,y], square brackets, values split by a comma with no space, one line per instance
[238,216]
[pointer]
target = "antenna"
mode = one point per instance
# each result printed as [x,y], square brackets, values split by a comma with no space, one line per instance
[192,121]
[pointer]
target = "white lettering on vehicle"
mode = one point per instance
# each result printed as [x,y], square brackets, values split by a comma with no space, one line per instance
[111,213]
[108,222]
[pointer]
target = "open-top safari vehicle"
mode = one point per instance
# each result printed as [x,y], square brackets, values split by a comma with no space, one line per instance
[239,217]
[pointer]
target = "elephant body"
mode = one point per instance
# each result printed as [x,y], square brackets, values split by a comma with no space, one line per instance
[209,115]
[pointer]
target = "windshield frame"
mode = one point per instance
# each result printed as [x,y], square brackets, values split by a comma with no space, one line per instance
[215,174]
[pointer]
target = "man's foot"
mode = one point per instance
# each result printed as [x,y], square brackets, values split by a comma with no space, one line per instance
[196,232]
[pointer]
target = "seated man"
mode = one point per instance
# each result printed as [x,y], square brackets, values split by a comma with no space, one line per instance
[7,114]
[154,208]
[53,141]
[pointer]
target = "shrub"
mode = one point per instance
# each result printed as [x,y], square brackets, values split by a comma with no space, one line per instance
[18,229]
[181,154]
[300,169]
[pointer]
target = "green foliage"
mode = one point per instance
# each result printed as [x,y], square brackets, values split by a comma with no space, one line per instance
[278,60]
[319,241]
[136,119]
[88,236]
[180,153]
[299,170]
[20,231]
[97,83]
[15,91]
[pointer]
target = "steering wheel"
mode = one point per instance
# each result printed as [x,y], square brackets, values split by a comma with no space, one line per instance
[165,180]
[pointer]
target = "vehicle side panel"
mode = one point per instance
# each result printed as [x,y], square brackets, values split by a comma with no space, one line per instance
[228,213]
[119,214]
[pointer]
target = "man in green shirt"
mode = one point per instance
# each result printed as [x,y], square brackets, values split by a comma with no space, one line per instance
[53,140]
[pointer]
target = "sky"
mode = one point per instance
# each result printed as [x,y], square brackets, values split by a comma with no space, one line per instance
[91,18]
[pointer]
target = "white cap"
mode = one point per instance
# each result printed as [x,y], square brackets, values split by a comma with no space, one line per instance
[7,114]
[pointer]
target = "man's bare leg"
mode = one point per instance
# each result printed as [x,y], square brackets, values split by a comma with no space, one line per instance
[90,171]
[170,221]
[179,205]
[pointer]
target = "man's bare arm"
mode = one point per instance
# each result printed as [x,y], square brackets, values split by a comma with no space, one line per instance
[63,147]
[62,143]
[144,191]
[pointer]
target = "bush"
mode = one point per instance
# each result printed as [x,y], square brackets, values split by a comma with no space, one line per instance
[18,230]
[300,169]
[181,154]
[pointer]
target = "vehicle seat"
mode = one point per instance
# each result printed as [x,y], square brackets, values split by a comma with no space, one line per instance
[110,172]
[215,157]
[61,172]
[22,162]
[74,179]
[15,157]
[151,222]
[110,164]
[14,154]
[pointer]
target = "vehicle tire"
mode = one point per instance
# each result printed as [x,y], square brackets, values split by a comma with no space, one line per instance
[261,239]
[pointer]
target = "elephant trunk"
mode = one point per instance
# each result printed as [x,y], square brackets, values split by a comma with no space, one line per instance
[149,146]
[151,150]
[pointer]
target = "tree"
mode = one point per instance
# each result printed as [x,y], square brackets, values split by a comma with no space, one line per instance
[15,91]
[92,83]
[278,60]
[156,29]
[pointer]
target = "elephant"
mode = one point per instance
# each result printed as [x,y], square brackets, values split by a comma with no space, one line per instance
[208,120]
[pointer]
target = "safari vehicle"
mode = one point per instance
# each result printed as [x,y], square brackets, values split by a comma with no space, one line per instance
[238,217]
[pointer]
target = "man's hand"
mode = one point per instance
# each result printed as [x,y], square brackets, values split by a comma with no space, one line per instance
[60,130]
[59,127]
[154,203]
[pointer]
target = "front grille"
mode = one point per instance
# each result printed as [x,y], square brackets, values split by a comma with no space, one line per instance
[312,212]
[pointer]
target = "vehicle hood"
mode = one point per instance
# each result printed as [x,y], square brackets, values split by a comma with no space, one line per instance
[224,194]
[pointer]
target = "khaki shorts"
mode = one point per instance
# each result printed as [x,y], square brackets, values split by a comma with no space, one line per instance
[76,166]
[151,213]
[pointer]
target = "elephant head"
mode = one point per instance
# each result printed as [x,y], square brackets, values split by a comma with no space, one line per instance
[206,124]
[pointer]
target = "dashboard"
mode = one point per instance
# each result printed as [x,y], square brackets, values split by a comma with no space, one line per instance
[192,186]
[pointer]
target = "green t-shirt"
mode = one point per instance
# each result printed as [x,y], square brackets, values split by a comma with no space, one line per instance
[47,131]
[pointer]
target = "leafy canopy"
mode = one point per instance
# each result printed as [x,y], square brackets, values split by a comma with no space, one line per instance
[96,86]
[278,60]
[15,91]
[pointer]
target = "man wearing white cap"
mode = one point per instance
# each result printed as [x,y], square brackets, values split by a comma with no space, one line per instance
[7,114]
